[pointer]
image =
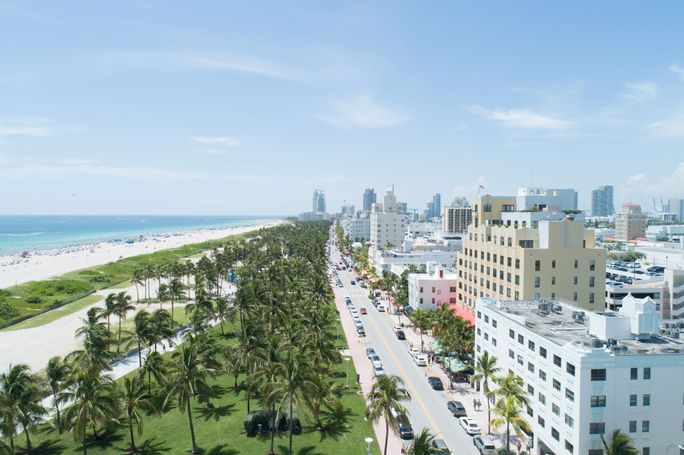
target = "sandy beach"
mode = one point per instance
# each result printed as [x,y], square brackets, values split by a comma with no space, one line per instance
[41,265]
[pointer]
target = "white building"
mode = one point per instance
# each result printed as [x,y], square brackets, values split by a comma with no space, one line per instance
[666,231]
[396,260]
[587,374]
[653,289]
[456,219]
[554,200]
[357,229]
[429,290]
[673,299]
[388,225]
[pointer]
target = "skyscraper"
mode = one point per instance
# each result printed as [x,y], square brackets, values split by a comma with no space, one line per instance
[602,201]
[436,205]
[630,222]
[676,206]
[369,197]
[388,225]
[318,201]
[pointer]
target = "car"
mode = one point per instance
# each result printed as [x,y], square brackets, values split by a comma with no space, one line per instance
[484,445]
[400,335]
[469,425]
[375,360]
[435,383]
[440,445]
[360,331]
[354,313]
[378,371]
[363,311]
[347,300]
[413,351]
[456,408]
[353,282]
[403,424]
[375,303]
[420,359]
[381,308]
[370,352]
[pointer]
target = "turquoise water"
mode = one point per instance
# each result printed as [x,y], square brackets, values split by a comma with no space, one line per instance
[30,233]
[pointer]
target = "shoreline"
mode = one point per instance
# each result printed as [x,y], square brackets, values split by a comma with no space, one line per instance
[44,264]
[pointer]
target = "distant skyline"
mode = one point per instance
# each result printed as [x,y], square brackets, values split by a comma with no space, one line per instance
[156,107]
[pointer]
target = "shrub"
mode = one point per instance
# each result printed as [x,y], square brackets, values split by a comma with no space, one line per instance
[59,287]
[5,293]
[33,299]
[7,311]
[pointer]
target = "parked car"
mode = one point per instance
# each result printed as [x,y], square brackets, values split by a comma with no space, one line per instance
[404,425]
[400,335]
[381,308]
[457,408]
[441,446]
[375,360]
[360,331]
[378,371]
[363,311]
[420,359]
[484,445]
[413,351]
[353,282]
[435,383]
[370,352]
[469,425]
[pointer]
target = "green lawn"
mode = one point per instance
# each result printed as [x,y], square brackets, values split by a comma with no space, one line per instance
[221,432]
[52,315]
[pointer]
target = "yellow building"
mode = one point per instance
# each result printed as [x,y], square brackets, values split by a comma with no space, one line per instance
[529,255]
[630,222]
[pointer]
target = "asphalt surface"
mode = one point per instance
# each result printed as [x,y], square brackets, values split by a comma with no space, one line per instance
[427,407]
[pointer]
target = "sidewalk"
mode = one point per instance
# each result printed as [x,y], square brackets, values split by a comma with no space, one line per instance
[357,348]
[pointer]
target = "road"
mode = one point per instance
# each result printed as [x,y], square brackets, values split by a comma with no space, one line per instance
[427,407]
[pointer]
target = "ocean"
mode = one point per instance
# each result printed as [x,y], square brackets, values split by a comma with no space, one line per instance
[30,233]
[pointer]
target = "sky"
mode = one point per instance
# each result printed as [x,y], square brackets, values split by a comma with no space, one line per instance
[227,108]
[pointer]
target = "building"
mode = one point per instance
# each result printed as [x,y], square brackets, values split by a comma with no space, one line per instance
[369,198]
[676,207]
[388,224]
[673,297]
[357,229]
[436,205]
[402,207]
[456,219]
[667,232]
[630,223]
[429,290]
[529,255]
[653,289]
[554,200]
[348,211]
[589,373]
[396,261]
[460,202]
[318,205]
[313,216]
[602,201]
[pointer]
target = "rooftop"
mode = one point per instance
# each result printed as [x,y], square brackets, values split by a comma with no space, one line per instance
[564,324]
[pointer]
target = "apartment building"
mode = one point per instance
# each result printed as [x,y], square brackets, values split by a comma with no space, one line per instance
[456,219]
[630,222]
[529,256]
[357,229]
[431,289]
[388,224]
[589,373]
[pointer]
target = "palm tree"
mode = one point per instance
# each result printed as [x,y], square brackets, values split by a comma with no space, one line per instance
[176,289]
[322,391]
[56,374]
[161,326]
[93,401]
[142,331]
[513,398]
[422,445]
[422,320]
[135,400]
[96,340]
[618,444]
[109,307]
[123,306]
[21,393]
[386,396]
[163,295]
[154,367]
[188,372]
[138,279]
[486,369]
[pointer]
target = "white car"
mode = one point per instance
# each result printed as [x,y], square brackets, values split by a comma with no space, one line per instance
[469,425]
[378,371]
[420,359]
[375,360]
[414,351]
[381,308]
[354,313]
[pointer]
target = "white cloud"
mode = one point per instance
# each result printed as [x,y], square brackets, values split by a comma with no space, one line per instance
[70,168]
[27,126]
[173,61]
[215,152]
[672,127]
[217,140]
[363,112]
[640,91]
[679,71]
[521,118]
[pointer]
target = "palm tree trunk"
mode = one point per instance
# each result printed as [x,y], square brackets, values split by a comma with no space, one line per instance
[386,435]
[248,399]
[139,354]
[95,432]
[130,430]
[192,428]
[290,425]
[59,418]
[221,321]
[508,437]
[137,294]
[118,344]
[85,437]
[273,430]
[28,439]
[172,302]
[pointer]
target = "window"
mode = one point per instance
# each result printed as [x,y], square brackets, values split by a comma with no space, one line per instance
[537,266]
[632,426]
[633,373]
[479,331]
[542,375]
[569,421]
[646,399]
[574,296]
[555,409]
[553,280]
[576,263]
[555,434]
[645,426]
[570,368]
[542,398]
[553,264]
[569,447]
[520,360]
[541,421]
[511,354]
[598,401]
[530,367]
[569,394]
[646,451]
[557,360]
[556,384]
[530,389]
[494,341]
[537,282]
[517,279]
[591,297]
[542,351]
[494,322]
[591,281]
[521,339]
[511,333]
[595,452]
[486,335]
[597,428]
[592,265]
[530,345]
[598,374]
[647,373]
[517,261]
[574,280]
[633,400]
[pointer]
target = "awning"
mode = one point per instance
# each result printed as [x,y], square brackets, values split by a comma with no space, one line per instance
[453,364]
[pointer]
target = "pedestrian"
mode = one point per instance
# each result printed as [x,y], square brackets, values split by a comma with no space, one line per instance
[479,405]
[519,447]
[475,404]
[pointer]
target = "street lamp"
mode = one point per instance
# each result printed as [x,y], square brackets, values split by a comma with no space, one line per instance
[346,359]
[669,446]
[368,442]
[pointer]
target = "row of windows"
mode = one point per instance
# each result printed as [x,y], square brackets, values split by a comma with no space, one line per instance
[575,281]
